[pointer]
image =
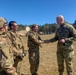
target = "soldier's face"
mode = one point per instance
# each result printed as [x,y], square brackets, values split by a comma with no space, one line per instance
[2,29]
[60,20]
[6,27]
[36,28]
[15,26]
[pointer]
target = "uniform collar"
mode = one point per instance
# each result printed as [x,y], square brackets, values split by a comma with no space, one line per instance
[62,25]
[1,32]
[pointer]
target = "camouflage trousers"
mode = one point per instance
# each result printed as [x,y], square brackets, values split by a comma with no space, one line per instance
[17,65]
[4,73]
[34,62]
[64,54]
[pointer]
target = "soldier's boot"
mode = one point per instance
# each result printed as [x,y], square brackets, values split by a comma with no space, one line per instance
[23,74]
[60,73]
[35,74]
[3,73]
[70,73]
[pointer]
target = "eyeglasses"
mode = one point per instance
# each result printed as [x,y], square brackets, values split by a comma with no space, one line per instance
[5,24]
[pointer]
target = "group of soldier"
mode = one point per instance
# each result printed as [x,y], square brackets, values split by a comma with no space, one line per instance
[12,49]
[65,35]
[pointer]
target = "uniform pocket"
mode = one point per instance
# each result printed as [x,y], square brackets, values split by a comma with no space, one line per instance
[69,46]
[71,54]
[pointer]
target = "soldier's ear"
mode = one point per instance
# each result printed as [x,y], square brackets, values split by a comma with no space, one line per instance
[12,26]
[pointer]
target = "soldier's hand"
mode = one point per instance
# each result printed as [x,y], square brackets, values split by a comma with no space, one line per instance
[24,52]
[40,45]
[62,40]
[17,53]
[46,41]
[20,56]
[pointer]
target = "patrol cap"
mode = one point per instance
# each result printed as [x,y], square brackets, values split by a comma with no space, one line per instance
[1,24]
[3,20]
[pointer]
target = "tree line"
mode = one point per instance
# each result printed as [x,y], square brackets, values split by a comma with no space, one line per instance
[46,28]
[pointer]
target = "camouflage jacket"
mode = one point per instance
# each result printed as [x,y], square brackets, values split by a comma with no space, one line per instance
[34,40]
[6,56]
[65,31]
[17,41]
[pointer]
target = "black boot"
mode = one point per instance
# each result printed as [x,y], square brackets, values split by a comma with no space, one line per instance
[70,73]
[35,74]
[60,73]
[23,74]
[3,73]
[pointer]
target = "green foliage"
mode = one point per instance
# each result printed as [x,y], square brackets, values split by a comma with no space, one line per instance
[21,27]
[46,28]
[74,24]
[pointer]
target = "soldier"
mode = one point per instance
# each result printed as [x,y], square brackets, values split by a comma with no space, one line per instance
[34,41]
[6,27]
[6,57]
[17,43]
[65,35]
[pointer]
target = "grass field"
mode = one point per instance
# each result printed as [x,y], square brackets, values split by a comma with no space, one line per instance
[48,61]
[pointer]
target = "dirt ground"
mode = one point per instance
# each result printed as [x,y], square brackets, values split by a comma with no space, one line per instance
[48,59]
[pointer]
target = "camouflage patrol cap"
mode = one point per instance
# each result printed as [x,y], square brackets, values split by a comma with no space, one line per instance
[1,24]
[2,21]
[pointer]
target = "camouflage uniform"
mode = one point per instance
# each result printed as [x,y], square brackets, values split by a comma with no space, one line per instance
[65,51]
[34,41]
[6,56]
[18,48]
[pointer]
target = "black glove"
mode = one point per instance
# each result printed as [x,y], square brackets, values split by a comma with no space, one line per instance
[20,56]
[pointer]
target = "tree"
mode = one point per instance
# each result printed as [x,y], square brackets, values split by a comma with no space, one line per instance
[74,24]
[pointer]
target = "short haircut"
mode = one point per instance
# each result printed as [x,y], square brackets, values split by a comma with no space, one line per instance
[33,26]
[11,23]
[60,16]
